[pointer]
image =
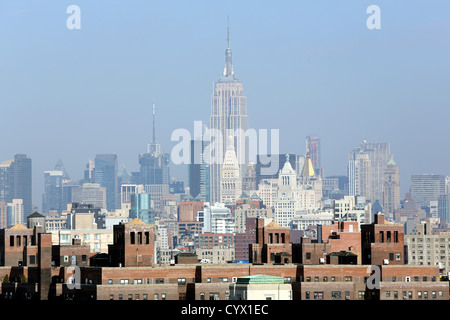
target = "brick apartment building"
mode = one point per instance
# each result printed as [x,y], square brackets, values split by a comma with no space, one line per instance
[187,279]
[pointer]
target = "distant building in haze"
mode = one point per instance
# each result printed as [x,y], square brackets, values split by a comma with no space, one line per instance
[15,182]
[426,188]
[313,147]
[106,170]
[52,199]
[391,189]
[154,165]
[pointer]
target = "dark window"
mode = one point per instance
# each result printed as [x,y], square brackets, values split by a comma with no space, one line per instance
[11,241]
[132,238]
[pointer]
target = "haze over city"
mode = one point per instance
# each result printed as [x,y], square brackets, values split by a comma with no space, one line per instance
[307,68]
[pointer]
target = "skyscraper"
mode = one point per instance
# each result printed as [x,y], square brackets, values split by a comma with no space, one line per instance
[391,189]
[154,167]
[15,182]
[52,199]
[379,154]
[313,147]
[199,168]
[231,181]
[426,188]
[367,165]
[141,208]
[106,170]
[359,174]
[228,116]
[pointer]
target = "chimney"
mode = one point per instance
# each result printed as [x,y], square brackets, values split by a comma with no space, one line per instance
[379,218]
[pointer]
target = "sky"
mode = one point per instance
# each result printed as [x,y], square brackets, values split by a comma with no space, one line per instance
[307,67]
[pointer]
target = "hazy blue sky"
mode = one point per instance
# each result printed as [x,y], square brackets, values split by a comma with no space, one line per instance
[308,68]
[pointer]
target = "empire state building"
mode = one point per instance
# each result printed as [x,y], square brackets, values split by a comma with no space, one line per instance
[228,117]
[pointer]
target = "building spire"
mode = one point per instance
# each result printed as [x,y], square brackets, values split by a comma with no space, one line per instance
[154,129]
[228,32]
[228,69]
[153,147]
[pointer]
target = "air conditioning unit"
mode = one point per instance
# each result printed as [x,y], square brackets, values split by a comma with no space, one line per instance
[385,261]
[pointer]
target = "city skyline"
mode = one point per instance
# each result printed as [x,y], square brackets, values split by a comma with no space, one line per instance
[305,71]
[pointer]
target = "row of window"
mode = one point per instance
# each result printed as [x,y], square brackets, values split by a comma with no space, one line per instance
[180,281]
[137,296]
[409,294]
[350,278]
[319,295]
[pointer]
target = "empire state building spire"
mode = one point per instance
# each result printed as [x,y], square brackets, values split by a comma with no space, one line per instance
[228,71]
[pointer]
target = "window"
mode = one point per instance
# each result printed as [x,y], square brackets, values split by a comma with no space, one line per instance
[33,259]
[307,294]
[83,258]
[144,296]
[213,296]
[123,281]
[18,240]
[308,255]
[11,241]
[110,281]
[155,296]
[181,281]
[163,296]
[318,295]
[159,280]
[336,295]
[137,281]
[132,238]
